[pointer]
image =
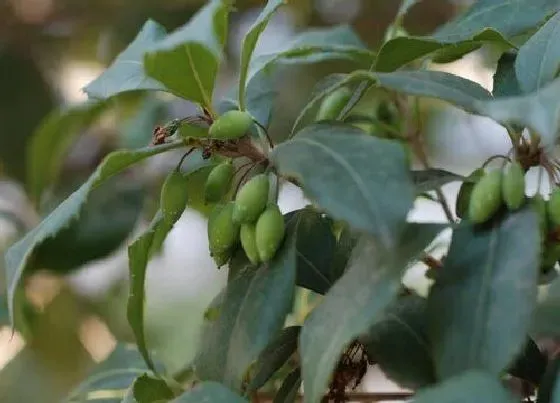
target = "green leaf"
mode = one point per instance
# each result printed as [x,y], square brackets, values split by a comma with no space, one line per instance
[530,365]
[549,389]
[106,220]
[505,80]
[510,18]
[139,254]
[315,247]
[262,313]
[290,387]
[127,72]
[187,60]
[399,344]
[19,256]
[471,386]
[50,142]
[547,313]
[325,158]
[538,59]
[147,389]
[273,357]
[355,303]
[249,43]
[431,179]
[487,273]
[211,392]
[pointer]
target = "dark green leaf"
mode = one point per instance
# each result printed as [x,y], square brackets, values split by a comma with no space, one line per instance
[488,272]
[399,344]
[127,71]
[538,59]
[147,389]
[290,387]
[431,179]
[105,221]
[505,80]
[187,60]
[549,389]
[249,43]
[530,365]
[50,142]
[273,357]
[315,246]
[210,392]
[343,250]
[471,386]
[19,256]
[325,158]
[355,303]
[139,254]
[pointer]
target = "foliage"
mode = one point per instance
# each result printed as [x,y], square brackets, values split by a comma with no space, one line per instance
[351,246]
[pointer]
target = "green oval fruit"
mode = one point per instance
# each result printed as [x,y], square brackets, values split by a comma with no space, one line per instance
[269,232]
[247,234]
[251,199]
[513,186]
[333,104]
[221,258]
[553,207]
[223,232]
[231,125]
[174,197]
[464,195]
[486,197]
[218,182]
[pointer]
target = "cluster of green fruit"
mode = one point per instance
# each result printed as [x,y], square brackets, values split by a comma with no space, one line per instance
[250,220]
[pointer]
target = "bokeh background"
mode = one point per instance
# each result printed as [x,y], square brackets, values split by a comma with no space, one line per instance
[49,50]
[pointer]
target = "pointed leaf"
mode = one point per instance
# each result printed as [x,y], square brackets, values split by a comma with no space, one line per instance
[538,60]
[355,303]
[290,387]
[187,60]
[249,43]
[472,386]
[127,73]
[487,273]
[19,256]
[211,392]
[505,80]
[431,179]
[530,364]
[325,158]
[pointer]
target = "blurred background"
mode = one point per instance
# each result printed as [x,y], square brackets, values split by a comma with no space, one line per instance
[49,50]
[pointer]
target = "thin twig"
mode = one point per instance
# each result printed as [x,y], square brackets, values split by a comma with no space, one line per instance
[270,143]
[178,168]
[245,174]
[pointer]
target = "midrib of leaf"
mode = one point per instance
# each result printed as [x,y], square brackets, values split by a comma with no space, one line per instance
[205,96]
[370,207]
[482,300]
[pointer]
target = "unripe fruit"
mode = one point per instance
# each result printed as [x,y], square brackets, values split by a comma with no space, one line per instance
[464,195]
[553,208]
[486,197]
[231,125]
[247,234]
[218,182]
[513,186]
[174,198]
[251,199]
[333,104]
[221,258]
[223,233]
[269,232]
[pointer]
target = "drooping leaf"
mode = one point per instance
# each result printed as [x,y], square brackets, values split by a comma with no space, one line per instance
[325,158]
[187,60]
[530,364]
[505,80]
[549,389]
[273,357]
[538,60]
[249,43]
[471,386]
[147,389]
[487,273]
[431,179]
[127,72]
[355,303]
[289,389]
[209,392]
[399,344]
[20,255]
[50,142]
[315,247]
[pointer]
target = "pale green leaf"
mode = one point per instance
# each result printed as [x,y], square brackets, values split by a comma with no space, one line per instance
[505,80]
